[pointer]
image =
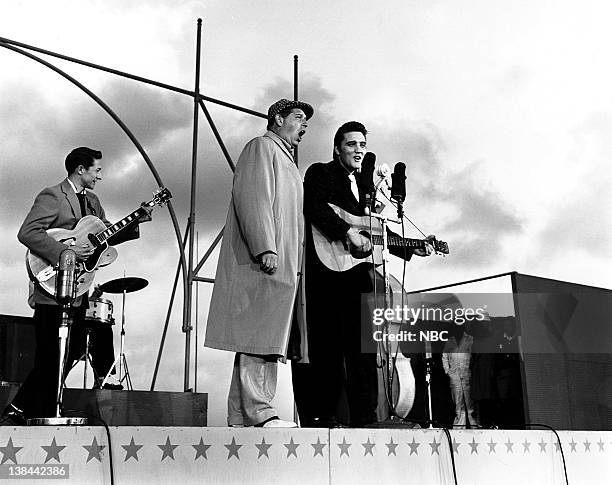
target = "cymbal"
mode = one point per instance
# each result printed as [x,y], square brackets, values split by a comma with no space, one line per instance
[120,285]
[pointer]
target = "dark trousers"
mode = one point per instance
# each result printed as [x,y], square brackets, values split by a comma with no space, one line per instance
[37,395]
[340,358]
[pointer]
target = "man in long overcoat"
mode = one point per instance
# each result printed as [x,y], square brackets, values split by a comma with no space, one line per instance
[257,274]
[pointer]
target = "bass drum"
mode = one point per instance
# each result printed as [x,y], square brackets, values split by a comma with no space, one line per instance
[100,312]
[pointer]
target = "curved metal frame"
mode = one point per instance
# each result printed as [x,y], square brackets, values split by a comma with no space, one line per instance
[189,273]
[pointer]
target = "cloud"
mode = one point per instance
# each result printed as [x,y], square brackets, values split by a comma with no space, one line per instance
[449,200]
[162,122]
[582,220]
[513,79]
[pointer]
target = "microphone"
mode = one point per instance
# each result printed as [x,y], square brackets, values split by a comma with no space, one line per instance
[367,172]
[398,182]
[65,288]
[383,171]
[398,187]
[366,180]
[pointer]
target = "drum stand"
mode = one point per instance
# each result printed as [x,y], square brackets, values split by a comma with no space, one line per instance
[87,359]
[124,373]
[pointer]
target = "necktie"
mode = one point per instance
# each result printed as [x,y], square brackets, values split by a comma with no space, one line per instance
[354,188]
[82,202]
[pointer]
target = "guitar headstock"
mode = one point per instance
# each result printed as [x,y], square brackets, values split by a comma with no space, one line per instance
[160,197]
[440,247]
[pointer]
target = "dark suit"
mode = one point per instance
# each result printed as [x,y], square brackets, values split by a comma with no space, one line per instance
[58,207]
[340,350]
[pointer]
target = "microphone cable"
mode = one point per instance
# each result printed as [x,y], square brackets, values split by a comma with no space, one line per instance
[108,437]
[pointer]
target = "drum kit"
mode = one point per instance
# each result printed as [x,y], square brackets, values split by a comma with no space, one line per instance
[100,313]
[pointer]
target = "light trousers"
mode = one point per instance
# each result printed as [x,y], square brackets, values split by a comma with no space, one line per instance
[464,406]
[252,389]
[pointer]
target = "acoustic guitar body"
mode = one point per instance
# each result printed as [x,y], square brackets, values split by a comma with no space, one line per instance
[340,256]
[335,255]
[44,273]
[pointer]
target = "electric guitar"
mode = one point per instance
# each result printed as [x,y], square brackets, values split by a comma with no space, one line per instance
[340,256]
[92,230]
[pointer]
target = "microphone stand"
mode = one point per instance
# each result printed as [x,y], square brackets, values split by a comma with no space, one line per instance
[428,353]
[390,362]
[428,374]
[393,420]
[65,323]
[64,329]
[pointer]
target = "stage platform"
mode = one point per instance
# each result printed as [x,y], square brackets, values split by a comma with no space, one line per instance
[162,455]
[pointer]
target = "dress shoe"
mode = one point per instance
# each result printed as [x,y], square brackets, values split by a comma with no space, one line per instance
[108,386]
[112,387]
[327,423]
[279,423]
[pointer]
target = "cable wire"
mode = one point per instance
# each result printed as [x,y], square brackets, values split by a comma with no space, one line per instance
[108,437]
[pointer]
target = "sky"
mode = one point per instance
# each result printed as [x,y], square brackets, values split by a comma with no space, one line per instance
[502,112]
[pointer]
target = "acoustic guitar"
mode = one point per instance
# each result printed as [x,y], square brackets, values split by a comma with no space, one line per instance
[340,256]
[92,230]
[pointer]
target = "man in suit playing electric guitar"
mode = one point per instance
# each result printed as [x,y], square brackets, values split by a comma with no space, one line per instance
[61,206]
[333,298]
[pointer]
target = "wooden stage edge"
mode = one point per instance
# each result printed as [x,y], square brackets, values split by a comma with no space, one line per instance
[161,455]
[129,408]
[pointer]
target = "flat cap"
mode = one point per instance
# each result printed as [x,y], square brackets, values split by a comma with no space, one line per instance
[283,104]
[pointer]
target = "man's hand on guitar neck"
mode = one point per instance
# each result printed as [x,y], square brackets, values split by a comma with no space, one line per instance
[428,250]
[361,243]
[146,217]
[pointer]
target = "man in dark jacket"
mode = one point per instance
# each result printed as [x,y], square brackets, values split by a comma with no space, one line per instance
[333,298]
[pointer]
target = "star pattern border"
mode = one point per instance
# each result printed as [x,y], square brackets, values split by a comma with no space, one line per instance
[579,443]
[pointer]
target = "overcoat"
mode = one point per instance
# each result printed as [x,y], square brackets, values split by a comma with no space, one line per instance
[251,311]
